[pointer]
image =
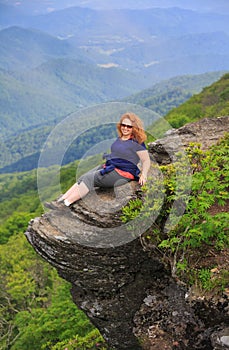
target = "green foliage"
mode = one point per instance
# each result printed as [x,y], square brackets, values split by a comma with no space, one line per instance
[21,152]
[92,341]
[25,283]
[199,219]
[205,278]
[36,309]
[15,224]
[209,187]
[171,93]
[209,279]
[132,210]
[9,185]
[60,321]
[213,101]
[18,195]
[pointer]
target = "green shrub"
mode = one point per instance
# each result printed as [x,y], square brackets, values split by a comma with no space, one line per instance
[198,225]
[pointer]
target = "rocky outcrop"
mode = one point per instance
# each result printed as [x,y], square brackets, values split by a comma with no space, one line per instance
[109,277]
[207,132]
[126,291]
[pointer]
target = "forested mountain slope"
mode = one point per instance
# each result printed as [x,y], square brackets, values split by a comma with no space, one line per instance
[33,297]
[31,293]
[169,94]
[213,101]
[23,49]
[55,88]
[21,151]
[158,43]
[62,60]
[36,308]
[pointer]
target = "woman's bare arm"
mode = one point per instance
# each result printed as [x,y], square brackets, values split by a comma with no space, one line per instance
[145,160]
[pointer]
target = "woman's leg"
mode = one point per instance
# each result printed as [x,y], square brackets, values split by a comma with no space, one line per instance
[69,192]
[89,181]
[85,184]
[76,192]
[95,179]
[81,188]
[111,179]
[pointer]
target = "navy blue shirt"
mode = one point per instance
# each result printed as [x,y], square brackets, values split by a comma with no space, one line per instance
[124,156]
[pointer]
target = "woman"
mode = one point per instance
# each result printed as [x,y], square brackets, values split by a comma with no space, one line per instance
[121,164]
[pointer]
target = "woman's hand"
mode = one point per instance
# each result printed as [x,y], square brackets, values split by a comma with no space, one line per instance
[142,179]
[145,160]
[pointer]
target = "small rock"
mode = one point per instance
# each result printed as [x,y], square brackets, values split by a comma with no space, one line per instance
[220,339]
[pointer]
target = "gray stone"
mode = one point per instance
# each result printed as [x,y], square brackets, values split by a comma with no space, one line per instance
[206,131]
[220,339]
[125,289]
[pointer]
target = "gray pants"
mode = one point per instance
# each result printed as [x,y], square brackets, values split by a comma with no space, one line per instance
[93,179]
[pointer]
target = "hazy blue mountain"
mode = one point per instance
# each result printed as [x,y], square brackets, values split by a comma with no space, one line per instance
[129,23]
[196,64]
[163,49]
[10,15]
[158,43]
[42,6]
[157,59]
[27,48]
[168,94]
[56,88]
[60,61]
[21,152]
[165,58]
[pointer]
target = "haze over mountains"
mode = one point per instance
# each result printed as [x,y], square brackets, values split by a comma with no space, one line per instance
[42,6]
[143,40]
[64,56]
[22,151]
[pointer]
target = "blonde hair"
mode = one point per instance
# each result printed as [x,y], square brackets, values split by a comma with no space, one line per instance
[137,131]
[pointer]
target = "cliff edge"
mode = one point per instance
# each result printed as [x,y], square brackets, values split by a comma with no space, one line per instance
[125,290]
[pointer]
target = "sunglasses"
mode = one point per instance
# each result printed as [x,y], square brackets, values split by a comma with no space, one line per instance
[127,126]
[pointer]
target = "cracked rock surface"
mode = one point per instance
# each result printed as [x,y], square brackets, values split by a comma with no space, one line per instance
[206,131]
[125,290]
[109,279]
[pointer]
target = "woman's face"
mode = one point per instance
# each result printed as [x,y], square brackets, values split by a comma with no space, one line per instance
[126,127]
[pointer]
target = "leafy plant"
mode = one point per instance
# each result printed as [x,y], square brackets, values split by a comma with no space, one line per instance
[36,309]
[205,278]
[131,211]
[193,222]
[211,102]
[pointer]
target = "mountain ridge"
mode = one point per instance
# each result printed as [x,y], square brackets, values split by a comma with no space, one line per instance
[33,48]
[170,93]
[54,5]
[102,30]
[159,98]
[58,87]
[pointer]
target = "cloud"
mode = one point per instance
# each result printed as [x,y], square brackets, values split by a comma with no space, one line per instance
[50,9]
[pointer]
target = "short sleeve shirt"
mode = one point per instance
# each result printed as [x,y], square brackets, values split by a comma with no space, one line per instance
[127,150]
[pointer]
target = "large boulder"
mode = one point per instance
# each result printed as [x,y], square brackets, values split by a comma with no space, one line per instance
[206,132]
[126,290]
